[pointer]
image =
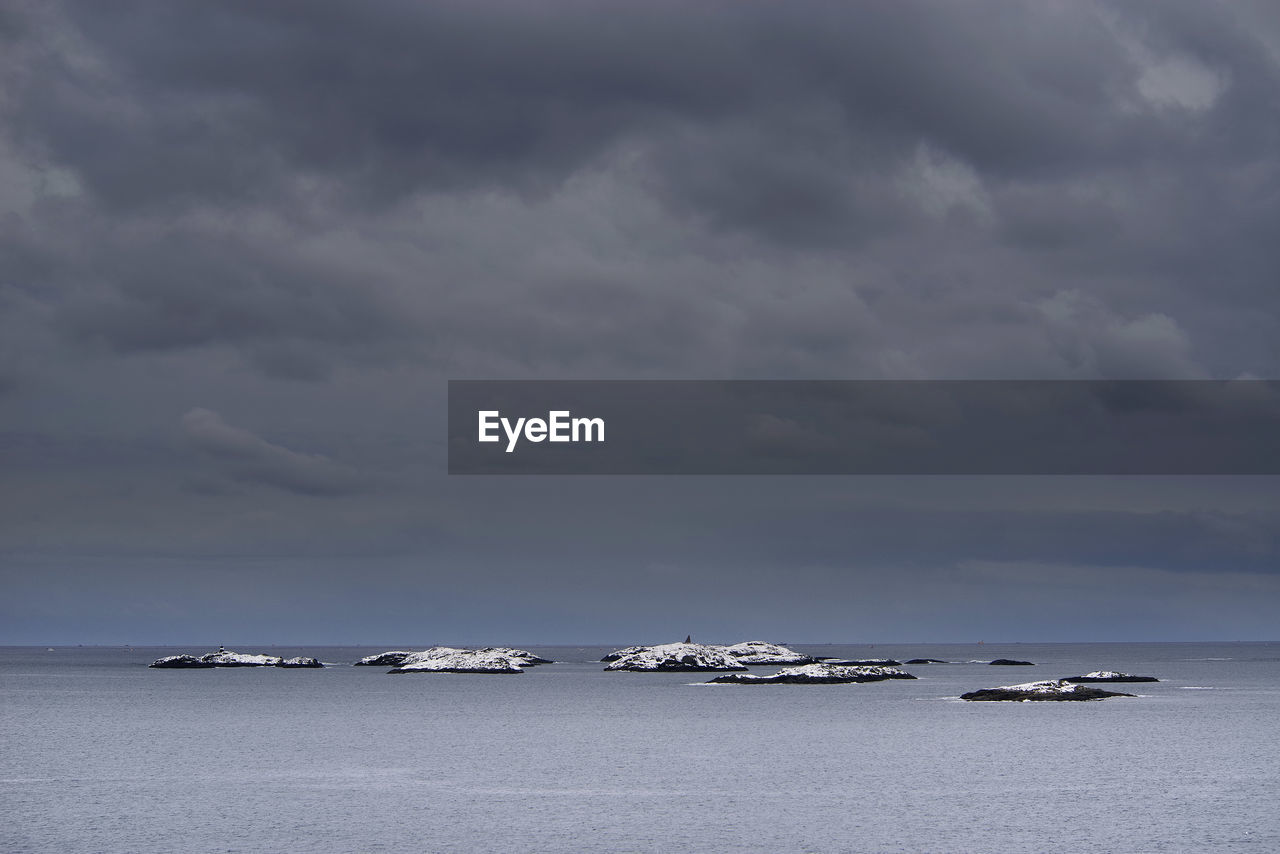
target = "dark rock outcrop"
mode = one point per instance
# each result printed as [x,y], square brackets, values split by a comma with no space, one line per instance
[1049,690]
[1013,662]
[816,674]
[926,661]
[864,662]
[384,659]
[1109,676]
[181,661]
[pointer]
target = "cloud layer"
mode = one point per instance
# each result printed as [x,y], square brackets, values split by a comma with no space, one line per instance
[302,218]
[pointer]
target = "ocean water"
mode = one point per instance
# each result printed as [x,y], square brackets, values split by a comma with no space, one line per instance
[98,753]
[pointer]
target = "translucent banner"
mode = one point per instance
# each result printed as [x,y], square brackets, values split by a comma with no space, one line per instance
[864,427]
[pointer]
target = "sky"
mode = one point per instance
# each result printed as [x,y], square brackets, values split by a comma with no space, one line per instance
[244,246]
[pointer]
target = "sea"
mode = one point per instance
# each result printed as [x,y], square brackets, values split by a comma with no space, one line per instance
[99,753]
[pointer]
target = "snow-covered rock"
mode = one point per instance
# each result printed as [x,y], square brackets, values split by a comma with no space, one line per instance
[181,661]
[446,659]
[225,658]
[625,651]
[1049,689]
[1110,676]
[397,657]
[759,652]
[926,661]
[817,674]
[389,658]
[866,662]
[678,657]
[523,656]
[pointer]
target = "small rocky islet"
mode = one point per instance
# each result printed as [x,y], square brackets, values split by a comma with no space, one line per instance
[483,660]
[676,657]
[753,653]
[226,658]
[447,659]
[824,673]
[1109,676]
[1044,691]
[693,657]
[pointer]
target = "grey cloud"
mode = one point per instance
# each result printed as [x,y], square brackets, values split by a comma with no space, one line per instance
[400,97]
[277,296]
[920,180]
[404,96]
[248,458]
[317,212]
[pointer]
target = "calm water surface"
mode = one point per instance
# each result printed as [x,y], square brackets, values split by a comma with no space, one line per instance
[98,753]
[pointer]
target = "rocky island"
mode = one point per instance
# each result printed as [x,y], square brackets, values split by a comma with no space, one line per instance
[226,658]
[447,659]
[674,657]
[816,674]
[748,652]
[1051,689]
[1012,662]
[1109,676]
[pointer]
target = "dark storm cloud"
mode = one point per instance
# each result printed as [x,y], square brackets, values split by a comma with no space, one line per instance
[308,215]
[1065,169]
[209,101]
